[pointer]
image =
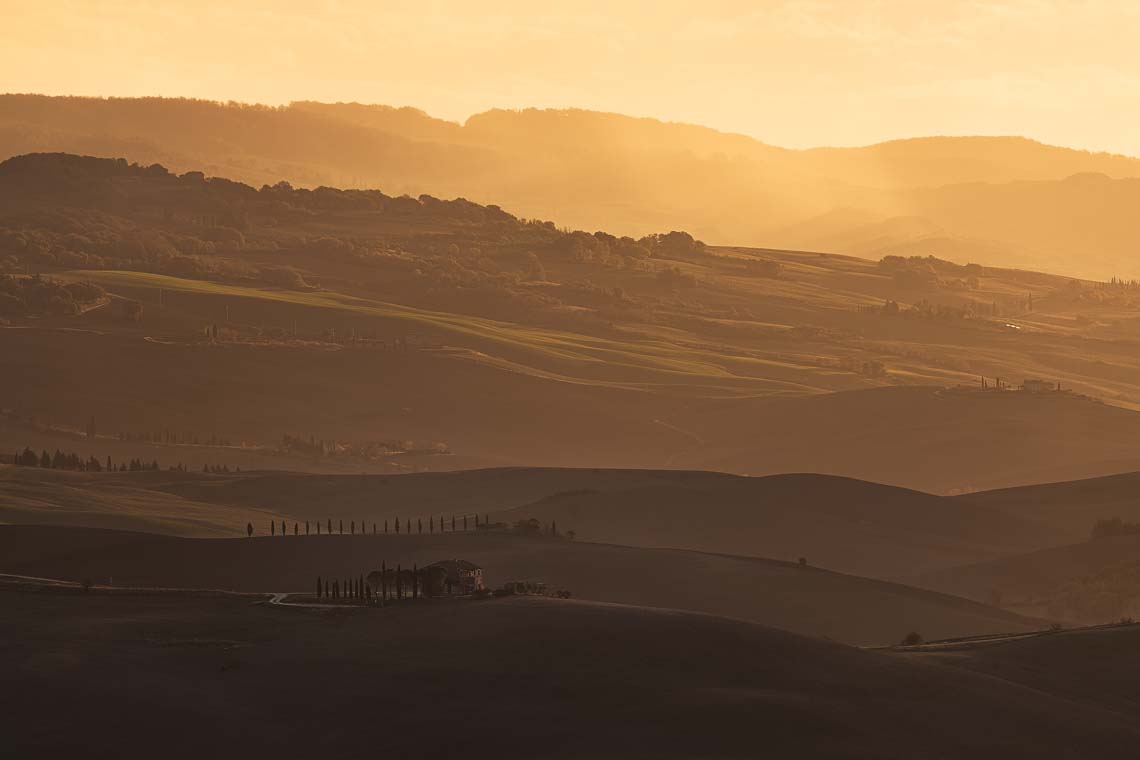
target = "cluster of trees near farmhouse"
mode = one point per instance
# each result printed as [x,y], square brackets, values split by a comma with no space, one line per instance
[395,526]
[42,296]
[396,584]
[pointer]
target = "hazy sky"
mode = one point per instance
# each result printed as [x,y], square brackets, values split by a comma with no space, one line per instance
[814,72]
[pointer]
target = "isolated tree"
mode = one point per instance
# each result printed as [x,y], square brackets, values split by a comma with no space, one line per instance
[249,529]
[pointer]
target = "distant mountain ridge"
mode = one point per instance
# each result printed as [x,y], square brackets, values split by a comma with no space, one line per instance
[1029,204]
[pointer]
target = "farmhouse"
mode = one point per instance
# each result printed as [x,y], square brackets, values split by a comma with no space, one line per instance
[1038,386]
[453,577]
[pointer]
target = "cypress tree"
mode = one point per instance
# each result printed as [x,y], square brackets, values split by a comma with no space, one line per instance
[374,529]
[408,526]
[306,527]
[326,589]
[464,522]
[431,525]
[283,527]
[249,529]
[294,529]
[420,525]
[453,523]
[397,526]
[342,527]
[352,528]
[318,587]
[476,520]
[318,527]
[273,527]
[385,526]
[330,526]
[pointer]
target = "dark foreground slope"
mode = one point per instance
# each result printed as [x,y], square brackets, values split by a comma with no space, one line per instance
[118,676]
[781,594]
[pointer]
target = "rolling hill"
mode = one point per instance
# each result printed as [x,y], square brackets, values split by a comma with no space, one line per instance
[838,523]
[781,594]
[1023,203]
[421,680]
[349,331]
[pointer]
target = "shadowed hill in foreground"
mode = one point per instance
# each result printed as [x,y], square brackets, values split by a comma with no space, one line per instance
[784,595]
[529,677]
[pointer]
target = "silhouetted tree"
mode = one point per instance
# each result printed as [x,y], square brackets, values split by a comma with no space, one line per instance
[294,529]
[319,587]
[342,527]
[307,527]
[453,523]
[283,527]
[374,529]
[419,525]
[249,529]
[45,459]
[326,589]
[273,527]
[318,527]
[330,526]
[385,526]
[464,522]
[397,526]
[110,467]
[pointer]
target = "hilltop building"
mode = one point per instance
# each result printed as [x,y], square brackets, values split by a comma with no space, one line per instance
[453,577]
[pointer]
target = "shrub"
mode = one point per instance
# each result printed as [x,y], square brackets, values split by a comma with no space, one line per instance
[912,639]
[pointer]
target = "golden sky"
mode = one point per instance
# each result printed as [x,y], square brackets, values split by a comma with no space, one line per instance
[798,74]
